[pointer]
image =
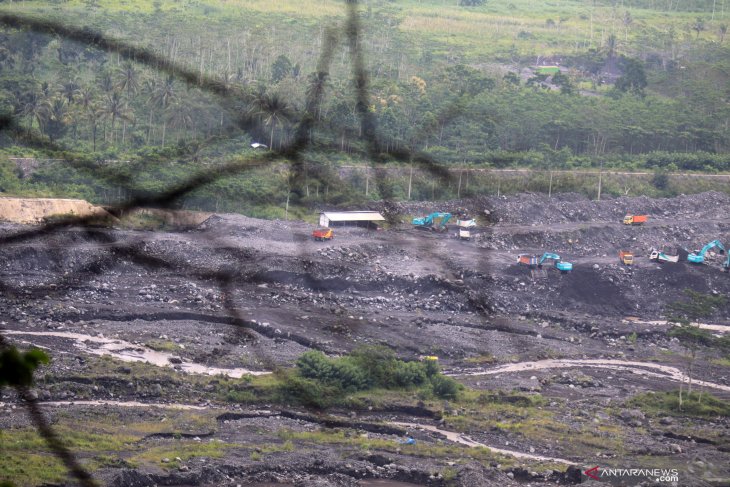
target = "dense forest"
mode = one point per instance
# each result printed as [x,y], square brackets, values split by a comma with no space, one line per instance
[548,85]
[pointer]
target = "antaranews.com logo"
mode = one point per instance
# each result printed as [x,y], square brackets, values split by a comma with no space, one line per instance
[631,476]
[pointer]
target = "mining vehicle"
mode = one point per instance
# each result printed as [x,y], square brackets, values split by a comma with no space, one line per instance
[698,257]
[323,234]
[635,219]
[726,264]
[435,221]
[563,267]
[660,256]
[626,257]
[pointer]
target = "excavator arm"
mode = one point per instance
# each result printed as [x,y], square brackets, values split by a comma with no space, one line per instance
[699,258]
[548,255]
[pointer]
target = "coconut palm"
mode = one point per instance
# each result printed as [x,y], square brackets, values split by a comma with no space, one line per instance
[57,118]
[70,90]
[93,114]
[114,107]
[271,110]
[163,97]
[180,118]
[127,80]
[106,83]
[35,107]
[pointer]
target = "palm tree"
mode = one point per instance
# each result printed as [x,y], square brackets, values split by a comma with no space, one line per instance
[93,115]
[127,81]
[106,83]
[150,87]
[163,97]
[180,118]
[35,107]
[86,97]
[271,110]
[114,107]
[56,118]
[69,90]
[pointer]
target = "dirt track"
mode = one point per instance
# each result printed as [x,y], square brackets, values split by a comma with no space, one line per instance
[419,292]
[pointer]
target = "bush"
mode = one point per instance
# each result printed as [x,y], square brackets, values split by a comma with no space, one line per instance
[409,374]
[308,392]
[321,379]
[341,373]
[445,387]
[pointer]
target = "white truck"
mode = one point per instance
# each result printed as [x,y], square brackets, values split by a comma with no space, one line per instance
[464,226]
[659,256]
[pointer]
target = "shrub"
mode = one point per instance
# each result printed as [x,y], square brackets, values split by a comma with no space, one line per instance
[445,387]
[308,392]
[409,374]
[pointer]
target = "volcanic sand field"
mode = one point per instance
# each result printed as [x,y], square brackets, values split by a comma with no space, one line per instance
[149,358]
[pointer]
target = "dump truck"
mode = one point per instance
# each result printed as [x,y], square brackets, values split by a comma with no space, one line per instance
[626,257]
[635,219]
[464,226]
[323,234]
[470,223]
[526,259]
[659,256]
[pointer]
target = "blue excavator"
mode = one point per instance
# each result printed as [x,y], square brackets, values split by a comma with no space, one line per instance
[435,221]
[699,257]
[563,267]
[532,261]
[726,264]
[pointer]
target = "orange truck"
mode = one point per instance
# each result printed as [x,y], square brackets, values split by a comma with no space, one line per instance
[526,259]
[626,257]
[635,219]
[323,234]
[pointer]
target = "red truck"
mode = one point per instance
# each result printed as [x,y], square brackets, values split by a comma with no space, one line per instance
[323,234]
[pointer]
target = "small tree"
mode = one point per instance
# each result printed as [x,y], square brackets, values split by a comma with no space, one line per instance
[686,315]
[281,68]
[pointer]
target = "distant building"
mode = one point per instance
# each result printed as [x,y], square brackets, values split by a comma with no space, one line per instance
[366,219]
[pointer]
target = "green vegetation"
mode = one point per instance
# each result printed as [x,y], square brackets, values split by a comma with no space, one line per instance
[16,368]
[319,380]
[667,403]
[98,441]
[636,89]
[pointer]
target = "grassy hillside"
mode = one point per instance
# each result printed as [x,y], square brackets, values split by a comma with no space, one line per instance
[642,84]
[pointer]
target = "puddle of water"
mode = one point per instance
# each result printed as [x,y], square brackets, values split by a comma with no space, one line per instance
[465,440]
[640,368]
[129,352]
[704,326]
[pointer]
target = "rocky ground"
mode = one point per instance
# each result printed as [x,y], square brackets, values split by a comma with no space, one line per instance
[151,332]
